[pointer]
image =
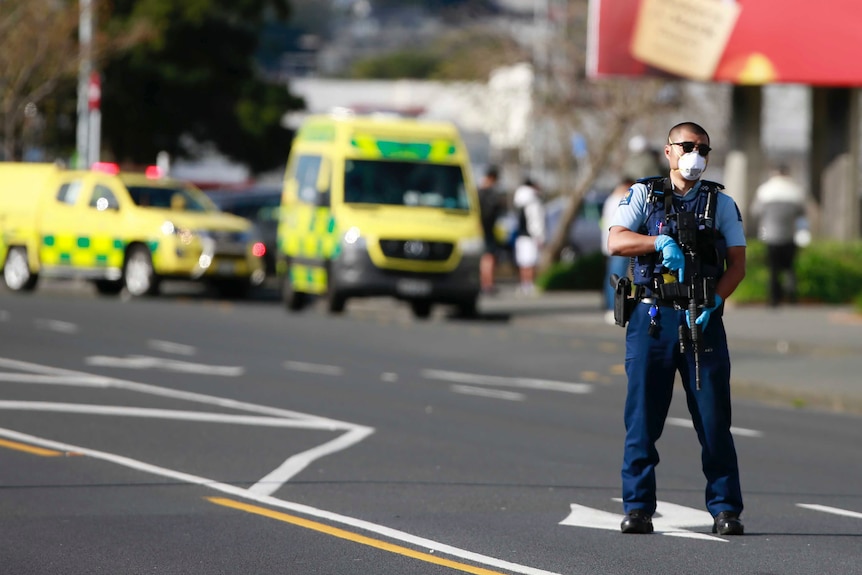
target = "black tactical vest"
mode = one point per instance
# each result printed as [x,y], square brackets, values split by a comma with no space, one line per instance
[710,257]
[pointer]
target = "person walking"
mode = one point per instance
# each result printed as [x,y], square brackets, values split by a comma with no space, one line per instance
[530,233]
[490,208]
[614,265]
[653,220]
[778,205]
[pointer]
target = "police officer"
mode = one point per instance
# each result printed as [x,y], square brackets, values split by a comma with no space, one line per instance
[647,226]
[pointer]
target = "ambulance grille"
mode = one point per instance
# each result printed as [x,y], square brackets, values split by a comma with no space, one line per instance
[417,250]
[230,243]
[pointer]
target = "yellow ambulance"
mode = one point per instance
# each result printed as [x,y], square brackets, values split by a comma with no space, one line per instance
[379,206]
[120,231]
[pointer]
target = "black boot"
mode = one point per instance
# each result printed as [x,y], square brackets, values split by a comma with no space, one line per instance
[636,521]
[728,523]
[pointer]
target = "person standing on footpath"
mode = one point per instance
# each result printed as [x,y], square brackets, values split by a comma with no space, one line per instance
[530,235]
[778,205]
[646,226]
[490,209]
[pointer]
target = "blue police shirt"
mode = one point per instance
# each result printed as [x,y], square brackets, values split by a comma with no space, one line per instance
[632,213]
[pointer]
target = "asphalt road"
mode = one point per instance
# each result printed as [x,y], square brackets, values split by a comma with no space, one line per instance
[191,435]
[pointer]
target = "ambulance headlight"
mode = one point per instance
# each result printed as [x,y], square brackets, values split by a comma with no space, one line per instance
[471,246]
[353,238]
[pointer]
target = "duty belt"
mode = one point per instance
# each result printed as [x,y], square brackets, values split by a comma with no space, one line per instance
[656,301]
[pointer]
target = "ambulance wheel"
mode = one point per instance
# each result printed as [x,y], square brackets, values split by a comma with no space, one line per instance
[467,308]
[293,300]
[108,287]
[335,302]
[421,308]
[138,276]
[16,271]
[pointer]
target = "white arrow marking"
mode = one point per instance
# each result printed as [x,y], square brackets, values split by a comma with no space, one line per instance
[522,382]
[669,519]
[741,431]
[146,362]
[833,510]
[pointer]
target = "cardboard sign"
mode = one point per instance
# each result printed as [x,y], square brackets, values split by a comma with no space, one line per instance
[684,37]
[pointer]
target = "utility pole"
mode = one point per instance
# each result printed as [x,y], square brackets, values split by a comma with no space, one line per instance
[85,139]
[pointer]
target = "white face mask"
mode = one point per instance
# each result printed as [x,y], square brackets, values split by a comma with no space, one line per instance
[691,165]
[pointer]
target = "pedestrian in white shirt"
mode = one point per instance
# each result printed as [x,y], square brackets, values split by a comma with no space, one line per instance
[531,233]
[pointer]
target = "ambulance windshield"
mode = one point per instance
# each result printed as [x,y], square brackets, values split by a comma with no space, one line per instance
[401,183]
[170,198]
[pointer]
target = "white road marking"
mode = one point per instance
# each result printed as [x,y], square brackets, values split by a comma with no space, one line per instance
[171,347]
[283,473]
[495,380]
[492,393]
[146,362]
[293,465]
[741,431]
[78,380]
[154,413]
[389,377]
[381,530]
[313,368]
[669,519]
[833,510]
[57,325]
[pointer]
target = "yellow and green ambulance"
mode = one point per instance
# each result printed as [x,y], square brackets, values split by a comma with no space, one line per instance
[379,206]
[120,231]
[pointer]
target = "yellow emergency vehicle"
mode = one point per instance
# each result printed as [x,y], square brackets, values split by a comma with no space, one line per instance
[119,230]
[376,206]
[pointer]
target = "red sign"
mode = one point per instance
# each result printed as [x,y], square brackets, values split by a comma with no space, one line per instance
[753,41]
[94,92]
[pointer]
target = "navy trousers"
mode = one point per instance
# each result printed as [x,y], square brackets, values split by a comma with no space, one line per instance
[651,365]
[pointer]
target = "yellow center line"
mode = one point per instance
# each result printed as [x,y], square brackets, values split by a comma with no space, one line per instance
[350,536]
[30,448]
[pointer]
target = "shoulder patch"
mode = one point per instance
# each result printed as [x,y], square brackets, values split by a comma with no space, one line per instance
[627,198]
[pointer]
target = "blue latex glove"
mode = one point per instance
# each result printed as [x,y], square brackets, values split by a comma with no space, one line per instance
[703,318]
[672,256]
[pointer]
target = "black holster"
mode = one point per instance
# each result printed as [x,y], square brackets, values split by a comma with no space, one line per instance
[624,300]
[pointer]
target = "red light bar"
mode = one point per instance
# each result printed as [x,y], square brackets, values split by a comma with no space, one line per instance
[106,167]
[153,172]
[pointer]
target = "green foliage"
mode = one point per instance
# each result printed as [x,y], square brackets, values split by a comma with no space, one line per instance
[196,79]
[826,271]
[585,273]
[395,65]
[468,54]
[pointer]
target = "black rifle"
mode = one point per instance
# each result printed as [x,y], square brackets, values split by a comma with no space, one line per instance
[694,294]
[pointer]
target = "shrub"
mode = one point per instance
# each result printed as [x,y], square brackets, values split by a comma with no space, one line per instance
[826,272]
[585,273]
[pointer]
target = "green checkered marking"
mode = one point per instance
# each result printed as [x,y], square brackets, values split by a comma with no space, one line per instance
[83,242]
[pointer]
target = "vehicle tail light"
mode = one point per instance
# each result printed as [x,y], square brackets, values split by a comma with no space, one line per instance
[106,167]
[258,249]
